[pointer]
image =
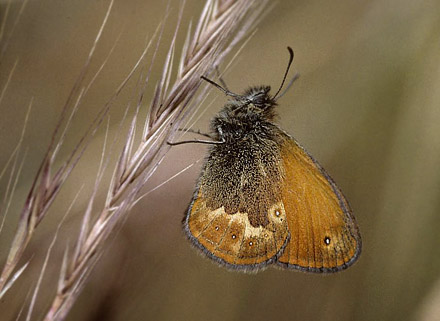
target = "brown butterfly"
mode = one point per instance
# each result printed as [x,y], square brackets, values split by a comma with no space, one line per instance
[262,199]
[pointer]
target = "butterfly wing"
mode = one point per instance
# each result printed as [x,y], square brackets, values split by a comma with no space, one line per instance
[231,240]
[324,236]
[306,225]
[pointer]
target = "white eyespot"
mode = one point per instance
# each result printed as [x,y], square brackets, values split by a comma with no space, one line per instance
[277,213]
[234,236]
[216,228]
[327,240]
[251,243]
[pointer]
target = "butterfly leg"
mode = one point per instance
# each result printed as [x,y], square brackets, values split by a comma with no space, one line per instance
[198,132]
[198,141]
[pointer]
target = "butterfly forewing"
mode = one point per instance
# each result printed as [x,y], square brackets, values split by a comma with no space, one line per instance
[323,233]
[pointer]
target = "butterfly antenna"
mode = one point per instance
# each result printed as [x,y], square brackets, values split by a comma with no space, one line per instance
[287,71]
[226,91]
[295,77]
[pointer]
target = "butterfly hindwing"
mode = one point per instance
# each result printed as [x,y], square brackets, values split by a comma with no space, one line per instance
[231,240]
[324,236]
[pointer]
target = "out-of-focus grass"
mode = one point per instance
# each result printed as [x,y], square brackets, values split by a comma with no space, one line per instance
[366,106]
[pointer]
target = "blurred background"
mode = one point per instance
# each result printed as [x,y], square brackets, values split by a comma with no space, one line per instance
[367,106]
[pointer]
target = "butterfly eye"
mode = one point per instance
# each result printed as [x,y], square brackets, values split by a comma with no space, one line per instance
[259,99]
[327,240]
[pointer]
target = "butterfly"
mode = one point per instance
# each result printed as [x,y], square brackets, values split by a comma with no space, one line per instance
[261,199]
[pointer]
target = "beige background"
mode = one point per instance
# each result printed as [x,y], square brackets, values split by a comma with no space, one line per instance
[367,106]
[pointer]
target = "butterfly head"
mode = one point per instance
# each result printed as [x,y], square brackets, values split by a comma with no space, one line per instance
[246,114]
[254,102]
[259,99]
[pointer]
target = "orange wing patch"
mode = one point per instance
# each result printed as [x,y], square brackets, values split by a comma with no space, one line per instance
[231,240]
[323,233]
